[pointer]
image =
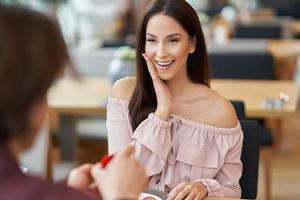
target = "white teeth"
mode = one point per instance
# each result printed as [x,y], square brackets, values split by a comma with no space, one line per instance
[164,63]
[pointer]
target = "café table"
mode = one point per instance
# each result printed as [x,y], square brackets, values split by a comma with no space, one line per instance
[80,96]
[88,96]
[70,98]
[255,94]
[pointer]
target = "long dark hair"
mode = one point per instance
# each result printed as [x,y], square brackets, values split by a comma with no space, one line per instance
[143,100]
[32,54]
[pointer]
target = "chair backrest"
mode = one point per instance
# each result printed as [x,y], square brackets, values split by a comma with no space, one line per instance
[255,31]
[239,107]
[241,65]
[250,158]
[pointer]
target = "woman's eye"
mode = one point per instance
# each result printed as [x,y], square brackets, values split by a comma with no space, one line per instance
[173,41]
[150,40]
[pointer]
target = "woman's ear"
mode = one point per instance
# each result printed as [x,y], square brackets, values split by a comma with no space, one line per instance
[193,43]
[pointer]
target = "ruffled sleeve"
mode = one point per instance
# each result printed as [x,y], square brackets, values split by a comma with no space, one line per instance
[117,125]
[152,138]
[153,143]
[226,182]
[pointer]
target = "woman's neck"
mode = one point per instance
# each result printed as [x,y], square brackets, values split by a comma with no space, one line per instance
[179,85]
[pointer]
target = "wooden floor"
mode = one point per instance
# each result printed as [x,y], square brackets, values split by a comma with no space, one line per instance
[286,165]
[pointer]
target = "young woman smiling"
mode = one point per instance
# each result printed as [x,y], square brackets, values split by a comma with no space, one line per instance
[187,137]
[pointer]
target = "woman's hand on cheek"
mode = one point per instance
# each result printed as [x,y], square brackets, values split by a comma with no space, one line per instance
[188,191]
[163,93]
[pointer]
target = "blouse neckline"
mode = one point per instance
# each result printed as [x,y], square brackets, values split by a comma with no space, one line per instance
[176,118]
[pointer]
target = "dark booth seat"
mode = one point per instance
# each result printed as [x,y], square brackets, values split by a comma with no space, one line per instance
[242,65]
[255,31]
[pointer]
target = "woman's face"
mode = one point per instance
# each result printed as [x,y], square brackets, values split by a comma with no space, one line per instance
[168,46]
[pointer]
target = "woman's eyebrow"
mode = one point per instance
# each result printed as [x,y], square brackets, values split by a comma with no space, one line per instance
[168,36]
[174,34]
[149,34]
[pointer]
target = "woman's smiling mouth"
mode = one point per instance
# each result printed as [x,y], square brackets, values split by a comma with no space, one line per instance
[164,64]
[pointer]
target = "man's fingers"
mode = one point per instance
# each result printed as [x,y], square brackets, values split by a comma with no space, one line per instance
[96,170]
[86,168]
[94,188]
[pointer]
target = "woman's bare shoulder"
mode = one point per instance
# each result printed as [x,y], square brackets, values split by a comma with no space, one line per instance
[123,88]
[204,105]
[223,111]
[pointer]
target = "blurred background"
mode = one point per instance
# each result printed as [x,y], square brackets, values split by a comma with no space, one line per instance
[246,39]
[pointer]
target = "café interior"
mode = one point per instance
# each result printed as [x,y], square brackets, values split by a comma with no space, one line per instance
[254,55]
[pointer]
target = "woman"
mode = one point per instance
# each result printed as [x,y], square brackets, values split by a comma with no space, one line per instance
[187,136]
[32,54]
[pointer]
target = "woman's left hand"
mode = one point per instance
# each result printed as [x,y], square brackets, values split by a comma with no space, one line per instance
[189,191]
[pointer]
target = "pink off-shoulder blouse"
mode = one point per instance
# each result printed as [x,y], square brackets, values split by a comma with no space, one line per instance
[179,150]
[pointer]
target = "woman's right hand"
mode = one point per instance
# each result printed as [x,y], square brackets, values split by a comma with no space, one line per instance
[122,178]
[163,93]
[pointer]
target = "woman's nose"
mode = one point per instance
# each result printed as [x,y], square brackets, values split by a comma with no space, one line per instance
[161,51]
